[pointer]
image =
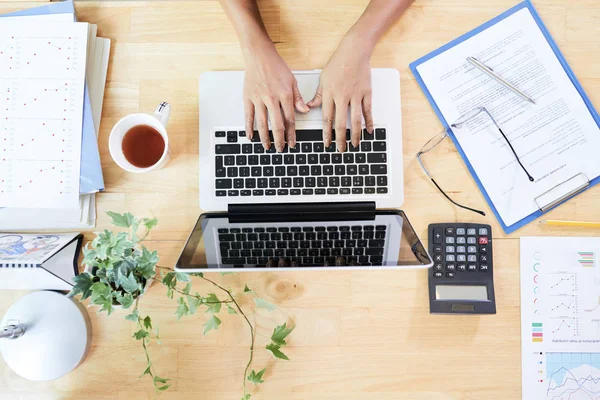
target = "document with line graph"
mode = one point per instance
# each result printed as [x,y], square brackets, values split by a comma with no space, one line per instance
[42,78]
[560,318]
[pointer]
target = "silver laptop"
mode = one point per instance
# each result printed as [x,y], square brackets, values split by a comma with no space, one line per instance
[235,170]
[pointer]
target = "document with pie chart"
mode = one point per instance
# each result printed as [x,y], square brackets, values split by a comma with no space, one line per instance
[42,78]
[560,318]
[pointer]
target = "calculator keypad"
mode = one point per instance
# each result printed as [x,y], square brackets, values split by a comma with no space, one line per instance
[460,250]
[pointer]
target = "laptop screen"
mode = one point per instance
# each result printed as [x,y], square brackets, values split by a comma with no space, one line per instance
[379,240]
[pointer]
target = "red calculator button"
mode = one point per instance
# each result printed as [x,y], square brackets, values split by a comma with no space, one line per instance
[483,240]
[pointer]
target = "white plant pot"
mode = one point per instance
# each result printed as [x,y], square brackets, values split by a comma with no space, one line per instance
[149,283]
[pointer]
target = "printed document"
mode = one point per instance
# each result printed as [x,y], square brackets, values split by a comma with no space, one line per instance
[560,318]
[42,78]
[555,139]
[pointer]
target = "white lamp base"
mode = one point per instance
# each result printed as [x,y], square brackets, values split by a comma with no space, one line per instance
[57,336]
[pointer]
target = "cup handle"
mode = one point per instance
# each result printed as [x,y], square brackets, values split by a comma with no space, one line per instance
[162,113]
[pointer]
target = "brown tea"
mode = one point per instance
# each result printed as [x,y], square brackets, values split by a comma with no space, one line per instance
[143,146]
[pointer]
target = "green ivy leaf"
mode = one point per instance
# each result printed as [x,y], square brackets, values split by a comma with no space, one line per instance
[134,316]
[158,379]
[130,284]
[247,396]
[262,303]
[280,333]
[163,388]
[142,333]
[213,303]
[198,274]
[100,290]
[147,371]
[187,288]
[212,323]
[83,285]
[247,289]
[123,220]
[231,310]
[125,300]
[149,223]
[148,324]
[275,349]
[193,303]
[182,309]
[169,280]
[256,377]
[182,277]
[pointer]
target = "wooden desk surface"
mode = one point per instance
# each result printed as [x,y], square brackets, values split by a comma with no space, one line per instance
[360,335]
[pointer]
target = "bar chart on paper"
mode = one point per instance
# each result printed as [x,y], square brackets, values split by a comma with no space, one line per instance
[42,77]
[560,312]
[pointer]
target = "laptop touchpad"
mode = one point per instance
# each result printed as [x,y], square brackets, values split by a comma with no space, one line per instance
[308,84]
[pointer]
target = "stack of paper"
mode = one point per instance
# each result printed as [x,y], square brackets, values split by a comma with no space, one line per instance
[57,81]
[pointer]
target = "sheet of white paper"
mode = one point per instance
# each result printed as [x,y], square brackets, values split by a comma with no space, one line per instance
[556,139]
[30,249]
[42,80]
[560,318]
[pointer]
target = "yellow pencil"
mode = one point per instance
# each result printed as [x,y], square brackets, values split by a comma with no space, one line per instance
[580,224]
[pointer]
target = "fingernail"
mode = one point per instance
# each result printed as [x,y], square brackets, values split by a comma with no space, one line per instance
[280,148]
[304,108]
[267,146]
[292,143]
[355,143]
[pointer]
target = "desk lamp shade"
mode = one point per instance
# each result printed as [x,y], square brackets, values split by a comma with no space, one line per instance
[45,335]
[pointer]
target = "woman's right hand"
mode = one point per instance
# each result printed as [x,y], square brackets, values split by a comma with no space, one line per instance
[271,88]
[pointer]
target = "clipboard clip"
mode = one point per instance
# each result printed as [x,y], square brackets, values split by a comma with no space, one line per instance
[562,192]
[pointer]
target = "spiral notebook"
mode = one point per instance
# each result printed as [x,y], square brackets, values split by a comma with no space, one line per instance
[39,261]
[556,138]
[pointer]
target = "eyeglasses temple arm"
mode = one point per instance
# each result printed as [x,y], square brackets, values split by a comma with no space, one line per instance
[455,203]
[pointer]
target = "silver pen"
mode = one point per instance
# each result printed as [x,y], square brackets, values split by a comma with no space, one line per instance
[478,64]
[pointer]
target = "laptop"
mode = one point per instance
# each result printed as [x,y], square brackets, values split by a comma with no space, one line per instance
[308,206]
[235,170]
[302,236]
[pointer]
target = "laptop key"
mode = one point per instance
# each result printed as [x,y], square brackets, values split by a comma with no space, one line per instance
[298,182]
[327,169]
[304,170]
[336,158]
[332,191]
[258,148]
[232,136]
[351,170]
[295,192]
[292,170]
[318,147]
[313,159]
[286,182]
[221,193]
[346,181]
[220,134]
[306,147]
[300,159]
[229,160]
[367,135]
[277,159]
[310,182]
[365,146]
[363,169]
[279,171]
[344,191]
[324,158]
[379,146]
[258,192]
[369,190]
[331,148]
[315,170]
[378,169]
[352,148]
[263,183]
[232,193]
[340,170]
[382,181]
[288,159]
[227,149]
[306,192]
[296,148]
[380,134]
[220,173]
[223,184]
[360,158]
[232,172]
[238,183]
[265,159]
[267,171]
[334,181]
[376,158]
[320,191]
[252,160]
[274,183]
[270,192]
[240,160]
[322,181]
[226,237]
[271,150]
[382,190]
[348,158]
[357,181]
[244,172]
[250,183]
[247,148]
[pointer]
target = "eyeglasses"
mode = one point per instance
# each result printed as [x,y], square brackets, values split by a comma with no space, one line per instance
[437,139]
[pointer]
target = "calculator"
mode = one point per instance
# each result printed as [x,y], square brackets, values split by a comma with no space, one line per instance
[461,280]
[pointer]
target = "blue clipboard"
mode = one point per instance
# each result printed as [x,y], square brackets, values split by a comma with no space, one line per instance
[413,67]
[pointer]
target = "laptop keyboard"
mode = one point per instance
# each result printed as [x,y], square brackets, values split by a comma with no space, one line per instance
[244,168]
[303,246]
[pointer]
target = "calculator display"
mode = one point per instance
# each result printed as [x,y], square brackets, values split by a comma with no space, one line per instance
[461,292]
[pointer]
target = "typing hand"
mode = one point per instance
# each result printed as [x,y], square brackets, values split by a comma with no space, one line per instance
[345,80]
[270,86]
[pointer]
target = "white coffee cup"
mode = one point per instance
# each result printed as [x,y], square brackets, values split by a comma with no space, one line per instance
[158,120]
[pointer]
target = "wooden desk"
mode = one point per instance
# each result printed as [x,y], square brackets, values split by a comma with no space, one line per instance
[360,335]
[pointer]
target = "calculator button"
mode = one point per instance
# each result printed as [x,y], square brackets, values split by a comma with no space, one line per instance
[483,240]
[482,249]
[460,231]
[472,258]
[471,231]
[437,235]
[450,274]
[461,267]
[449,249]
[461,240]
[461,258]
[461,249]
[438,274]
[472,267]
[471,249]
[437,257]
[449,240]
[471,240]
[483,258]
[437,249]
[483,267]
[438,267]
[450,258]
[450,267]
[483,231]
[449,231]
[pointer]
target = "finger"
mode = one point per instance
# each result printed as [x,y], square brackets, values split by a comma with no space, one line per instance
[289,121]
[249,118]
[341,113]
[298,100]
[262,125]
[328,112]
[355,118]
[318,99]
[367,110]
[277,124]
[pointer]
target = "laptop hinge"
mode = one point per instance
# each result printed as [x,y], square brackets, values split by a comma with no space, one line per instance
[302,212]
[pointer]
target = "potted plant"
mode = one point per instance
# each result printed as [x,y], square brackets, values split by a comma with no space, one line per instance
[119,270]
